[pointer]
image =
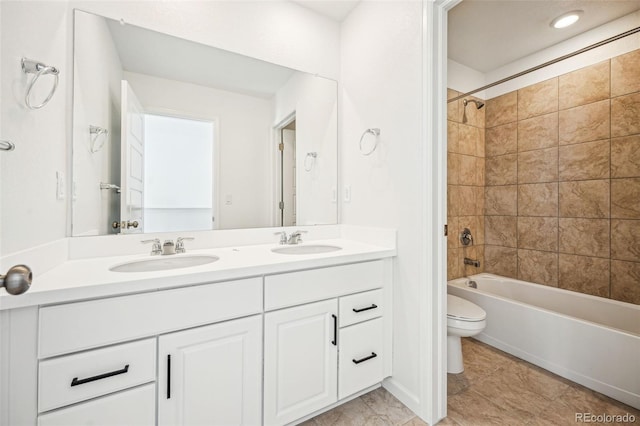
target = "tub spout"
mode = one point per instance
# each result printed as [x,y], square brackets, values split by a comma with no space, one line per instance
[472,262]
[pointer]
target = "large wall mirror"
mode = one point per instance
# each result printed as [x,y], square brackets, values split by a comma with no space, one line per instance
[173,135]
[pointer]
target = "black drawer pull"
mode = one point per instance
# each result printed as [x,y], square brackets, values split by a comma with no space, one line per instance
[76,382]
[334,342]
[373,306]
[168,376]
[367,358]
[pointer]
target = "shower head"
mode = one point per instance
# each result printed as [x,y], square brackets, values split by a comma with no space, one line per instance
[478,103]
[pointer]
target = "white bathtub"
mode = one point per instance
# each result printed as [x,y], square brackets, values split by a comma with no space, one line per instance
[589,340]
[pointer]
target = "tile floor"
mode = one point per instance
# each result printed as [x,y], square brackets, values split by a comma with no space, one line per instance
[495,389]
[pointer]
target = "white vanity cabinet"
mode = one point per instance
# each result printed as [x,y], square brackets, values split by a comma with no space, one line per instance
[211,375]
[300,361]
[335,343]
[271,349]
[108,355]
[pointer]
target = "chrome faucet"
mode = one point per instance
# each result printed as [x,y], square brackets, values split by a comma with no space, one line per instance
[472,262]
[156,248]
[292,239]
[168,247]
[180,248]
[295,237]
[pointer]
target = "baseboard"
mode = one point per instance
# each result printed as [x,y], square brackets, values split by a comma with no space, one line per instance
[402,394]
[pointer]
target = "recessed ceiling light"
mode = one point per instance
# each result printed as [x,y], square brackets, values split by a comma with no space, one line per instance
[566,19]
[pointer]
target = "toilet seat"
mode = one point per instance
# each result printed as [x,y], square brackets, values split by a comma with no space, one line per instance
[464,319]
[461,310]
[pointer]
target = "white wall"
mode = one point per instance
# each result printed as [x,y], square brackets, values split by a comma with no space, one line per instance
[31,214]
[96,91]
[276,31]
[463,79]
[244,142]
[381,78]
[0,130]
[314,101]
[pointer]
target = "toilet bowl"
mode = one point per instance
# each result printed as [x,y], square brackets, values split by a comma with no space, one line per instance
[464,319]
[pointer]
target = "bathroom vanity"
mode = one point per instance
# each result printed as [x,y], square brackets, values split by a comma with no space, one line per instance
[256,337]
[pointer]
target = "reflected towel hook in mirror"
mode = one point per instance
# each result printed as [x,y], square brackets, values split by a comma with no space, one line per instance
[374,132]
[312,156]
[39,69]
[98,138]
[7,145]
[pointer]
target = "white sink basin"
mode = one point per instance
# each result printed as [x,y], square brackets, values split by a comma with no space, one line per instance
[163,263]
[306,249]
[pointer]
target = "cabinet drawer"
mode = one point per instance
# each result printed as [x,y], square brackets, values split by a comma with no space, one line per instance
[135,407]
[360,357]
[74,378]
[86,325]
[296,288]
[360,307]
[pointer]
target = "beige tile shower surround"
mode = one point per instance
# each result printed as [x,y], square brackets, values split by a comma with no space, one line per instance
[466,181]
[561,181]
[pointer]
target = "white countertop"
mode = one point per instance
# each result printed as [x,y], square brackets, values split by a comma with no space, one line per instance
[91,278]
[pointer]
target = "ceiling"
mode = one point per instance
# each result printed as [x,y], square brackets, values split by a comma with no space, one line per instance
[153,53]
[334,9]
[485,35]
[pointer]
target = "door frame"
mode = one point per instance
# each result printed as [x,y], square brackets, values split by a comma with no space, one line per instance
[275,163]
[433,294]
[215,161]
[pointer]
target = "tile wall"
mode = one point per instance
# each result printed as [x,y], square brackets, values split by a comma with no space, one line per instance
[466,180]
[562,181]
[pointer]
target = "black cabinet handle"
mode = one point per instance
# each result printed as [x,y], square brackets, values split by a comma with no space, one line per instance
[168,376]
[335,330]
[76,382]
[373,306]
[367,358]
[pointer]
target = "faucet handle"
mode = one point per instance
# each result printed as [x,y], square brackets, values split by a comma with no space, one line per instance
[294,238]
[465,237]
[156,248]
[283,236]
[180,248]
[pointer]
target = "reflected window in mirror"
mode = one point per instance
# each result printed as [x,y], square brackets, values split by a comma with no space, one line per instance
[178,174]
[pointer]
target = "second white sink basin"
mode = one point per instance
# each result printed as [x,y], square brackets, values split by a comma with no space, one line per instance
[306,249]
[163,263]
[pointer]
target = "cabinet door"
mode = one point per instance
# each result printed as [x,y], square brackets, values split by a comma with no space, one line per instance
[211,375]
[300,361]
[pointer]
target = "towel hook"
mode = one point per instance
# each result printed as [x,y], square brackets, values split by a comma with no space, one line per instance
[311,155]
[98,134]
[39,69]
[374,132]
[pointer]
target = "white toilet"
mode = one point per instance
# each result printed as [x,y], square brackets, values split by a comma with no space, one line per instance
[464,319]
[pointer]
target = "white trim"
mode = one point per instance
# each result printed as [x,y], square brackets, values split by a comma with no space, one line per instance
[402,394]
[275,166]
[433,330]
